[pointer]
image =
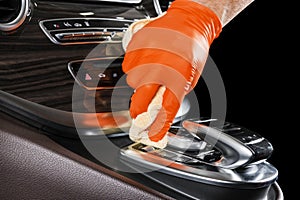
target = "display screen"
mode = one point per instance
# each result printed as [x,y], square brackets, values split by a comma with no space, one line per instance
[98,73]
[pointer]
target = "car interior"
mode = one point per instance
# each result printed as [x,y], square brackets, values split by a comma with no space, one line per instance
[64,115]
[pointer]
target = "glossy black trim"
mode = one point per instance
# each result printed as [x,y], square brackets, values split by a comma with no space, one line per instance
[51,120]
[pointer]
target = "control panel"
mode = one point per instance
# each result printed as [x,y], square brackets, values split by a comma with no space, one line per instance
[100,73]
[234,141]
[66,31]
[208,142]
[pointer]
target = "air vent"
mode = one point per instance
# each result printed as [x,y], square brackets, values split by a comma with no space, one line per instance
[12,13]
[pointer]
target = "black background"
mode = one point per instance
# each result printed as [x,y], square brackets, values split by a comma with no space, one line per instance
[255,61]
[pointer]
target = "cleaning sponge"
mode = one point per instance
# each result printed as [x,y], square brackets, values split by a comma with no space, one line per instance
[138,131]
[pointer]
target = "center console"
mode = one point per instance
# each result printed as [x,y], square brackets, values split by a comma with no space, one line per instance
[60,66]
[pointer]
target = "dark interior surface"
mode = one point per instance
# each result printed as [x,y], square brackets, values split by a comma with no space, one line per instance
[38,67]
[35,69]
[35,167]
[39,166]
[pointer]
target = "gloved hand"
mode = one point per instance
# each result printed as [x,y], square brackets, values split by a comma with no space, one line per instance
[169,51]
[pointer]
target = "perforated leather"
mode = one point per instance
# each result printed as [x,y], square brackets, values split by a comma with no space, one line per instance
[32,166]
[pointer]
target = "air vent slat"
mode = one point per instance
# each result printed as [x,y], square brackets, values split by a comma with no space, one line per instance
[6,9]
[12,13]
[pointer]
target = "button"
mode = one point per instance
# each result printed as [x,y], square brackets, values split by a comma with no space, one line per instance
[64,36]
[101,75]
[56,26]
[212,157]
[78,25]
[233,131]
[100,36]
[203,145]
[67,24]
[96,30]
[183,159]
[87,77]
[117,36]
[77,34]
[248,138]
[115,75]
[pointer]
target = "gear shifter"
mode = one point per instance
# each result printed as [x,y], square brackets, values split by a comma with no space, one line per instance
[239,146]
[225,160]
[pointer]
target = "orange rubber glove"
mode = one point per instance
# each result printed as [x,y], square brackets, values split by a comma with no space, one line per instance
[171,50]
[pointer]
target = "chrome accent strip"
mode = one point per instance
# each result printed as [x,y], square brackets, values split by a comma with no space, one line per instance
[70,36]
[255,141]
[255,176]
[88,29]
[157,7]
[278,191]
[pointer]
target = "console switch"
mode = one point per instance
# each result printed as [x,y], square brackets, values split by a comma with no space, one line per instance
[68,31]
